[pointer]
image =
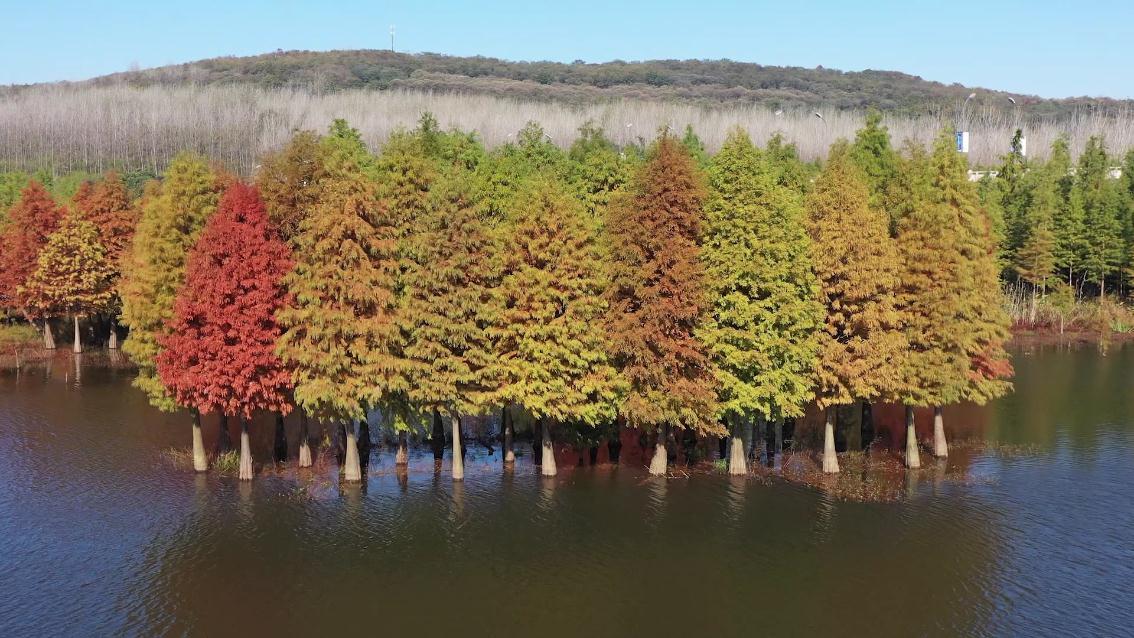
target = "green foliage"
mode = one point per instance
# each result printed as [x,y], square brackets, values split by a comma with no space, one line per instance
[18,339]
[11,184]
[872,153]
[172,219]
[762,327]
[597,170]
[550,349]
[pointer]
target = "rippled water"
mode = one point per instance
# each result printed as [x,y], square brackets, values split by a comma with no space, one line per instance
[100,535]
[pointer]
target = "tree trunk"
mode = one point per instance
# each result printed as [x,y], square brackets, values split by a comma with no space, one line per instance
[458,460]
[364,443]
[509,436]
[940,446]
[304,444]
[112,341]
[722,445]
[352,471]
[437,438]
[48,338]
[658,463]
[778,446]
[245,451]
[866,425]
[77,347]
[547,450]
[737,464]
[913,459]
[830,459]
[200,462]
[1035,295]
[281,440]
[402,457]
[224,441]
[614,444]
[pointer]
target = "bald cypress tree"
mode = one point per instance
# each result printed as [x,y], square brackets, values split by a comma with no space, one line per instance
[106,203]
[341,339]
[857,264]
[449,308]
[764,314]
[657,299]
[32,219]
[550,349]
[171,221]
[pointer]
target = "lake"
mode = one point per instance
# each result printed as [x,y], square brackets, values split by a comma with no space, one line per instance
[100,534]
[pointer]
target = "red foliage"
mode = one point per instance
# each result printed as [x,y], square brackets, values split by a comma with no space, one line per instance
[220,353]
[31,220]
[106,204]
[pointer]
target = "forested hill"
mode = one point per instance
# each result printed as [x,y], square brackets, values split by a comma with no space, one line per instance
[699,81]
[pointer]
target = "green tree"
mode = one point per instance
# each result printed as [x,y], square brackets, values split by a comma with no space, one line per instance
[856,261]
[1102,228]
[172,218]
[875,158]
[550,352]
[449,307]
[657,300]
[764,314]
[1068,223]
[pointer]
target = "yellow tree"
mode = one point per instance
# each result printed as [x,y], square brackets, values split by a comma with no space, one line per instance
[857,265]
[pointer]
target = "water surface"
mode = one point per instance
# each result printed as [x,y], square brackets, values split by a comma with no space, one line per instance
[100,535]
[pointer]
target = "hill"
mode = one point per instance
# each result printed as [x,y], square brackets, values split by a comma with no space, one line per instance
[693,81]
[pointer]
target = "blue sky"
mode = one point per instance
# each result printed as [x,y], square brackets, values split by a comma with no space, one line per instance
[1048,48]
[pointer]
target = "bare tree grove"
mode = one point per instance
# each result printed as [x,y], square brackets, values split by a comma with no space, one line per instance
[66,127]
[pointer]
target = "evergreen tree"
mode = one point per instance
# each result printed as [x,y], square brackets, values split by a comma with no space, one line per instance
[341,339]
[764,314]
[875,158]
[154,270]
[449,307]
[72,277]
[861,345]
[1068,223]
[1102,229]
[1036,257]
[550,349]
[219,355]
[656,298]
[597,170]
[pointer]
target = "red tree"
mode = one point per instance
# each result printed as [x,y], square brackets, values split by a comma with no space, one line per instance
[220,352]
[30,221]
[106,204]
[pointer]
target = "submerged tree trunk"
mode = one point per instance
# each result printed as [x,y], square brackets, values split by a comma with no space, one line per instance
[352,471]
[458,460]
[437,438]
[509,435]
[112,340]
[200,462]
[224,441]
[245,451]
[281,440]
[364,443]
[614,444]
[737,464]
[77,347]
[547,467]
[402,456]
[658,463]
[830,459]
[304,444]
[48,338]
[940,446]
[913,459]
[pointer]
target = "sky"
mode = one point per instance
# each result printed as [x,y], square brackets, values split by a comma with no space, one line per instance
[1042,47]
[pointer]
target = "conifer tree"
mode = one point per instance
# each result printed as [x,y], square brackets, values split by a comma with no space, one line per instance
[930,302]
[1036,257]
[596,170]
[764,314]
[341,340]
[107,205]
[1102,230]
[857,265]
[550,349]
[288,180]
[876,159]
[450,306]
[32,219]
[72,275]
[219,355]
[154,270]
[656,298]
[1067,227]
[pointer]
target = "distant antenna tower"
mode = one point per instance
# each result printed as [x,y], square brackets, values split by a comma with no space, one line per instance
[391,38]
